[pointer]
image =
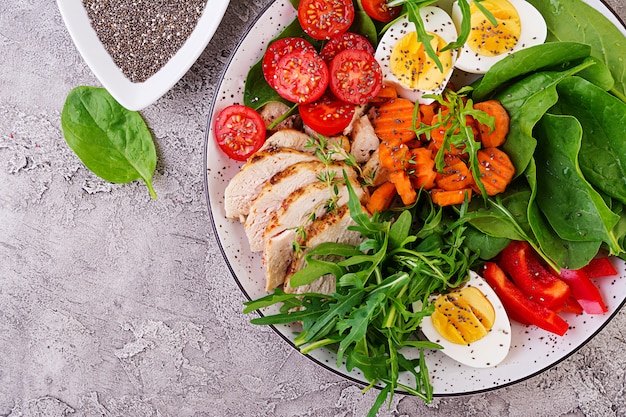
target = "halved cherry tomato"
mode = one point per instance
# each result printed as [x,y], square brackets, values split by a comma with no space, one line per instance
[239,131]
[346,40]
[355,76]
[278,49]
[327,115]
[301,76]
[378,10]
[323,19]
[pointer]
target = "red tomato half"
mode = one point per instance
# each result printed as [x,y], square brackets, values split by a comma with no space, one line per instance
[327,115]
[323,19]
[346,40]
[356,76]
[239,131]
[301,76]
[378,10]
[279,49]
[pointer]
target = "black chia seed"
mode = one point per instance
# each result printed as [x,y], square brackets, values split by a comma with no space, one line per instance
[142,35]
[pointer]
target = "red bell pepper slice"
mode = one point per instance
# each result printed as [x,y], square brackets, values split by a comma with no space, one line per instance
[571,306]
[584,291]
[600,267]
[517,304]
[519,261]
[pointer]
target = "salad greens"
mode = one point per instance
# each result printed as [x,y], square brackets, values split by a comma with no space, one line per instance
[371,316]
[113,142]
[575,20]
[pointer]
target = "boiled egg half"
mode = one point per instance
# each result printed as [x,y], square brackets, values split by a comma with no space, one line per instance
[404,61]
[471,324]
[519,25]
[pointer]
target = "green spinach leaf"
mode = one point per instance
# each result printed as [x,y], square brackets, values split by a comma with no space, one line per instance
[113,142]
[527,101]
[575,20]
[603,118]
[574,209]
[526,61]
[565,253]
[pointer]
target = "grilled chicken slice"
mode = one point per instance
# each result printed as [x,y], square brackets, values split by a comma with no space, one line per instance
[332,227]
[279,187]
[364,140]
[288,138]
[373,172]
[275,109]
[246,185]
[296,211]
[277,255]
[309,202]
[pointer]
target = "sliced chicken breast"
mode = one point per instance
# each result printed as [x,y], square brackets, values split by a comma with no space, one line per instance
[332,227]
[296,211]
[307,203]
[364,140]
[288,138]
[279,187]
[246,185]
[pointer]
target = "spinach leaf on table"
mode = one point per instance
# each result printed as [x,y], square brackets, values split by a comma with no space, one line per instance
[113,142]
[572,206]
[575,20]
[603,118]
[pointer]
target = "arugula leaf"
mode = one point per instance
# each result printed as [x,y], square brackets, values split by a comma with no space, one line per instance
[113,142]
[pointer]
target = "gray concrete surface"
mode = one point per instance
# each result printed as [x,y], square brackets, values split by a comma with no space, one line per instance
[112,304]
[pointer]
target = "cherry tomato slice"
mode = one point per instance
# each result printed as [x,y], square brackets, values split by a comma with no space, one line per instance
[278,49]
[301,76]
[346,40]
[239,131]
[327,115]
[378,10]
[323,19]
[355,76]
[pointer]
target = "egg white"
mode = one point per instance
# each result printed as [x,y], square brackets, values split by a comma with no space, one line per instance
[486,352]
[534,32]
[436,21]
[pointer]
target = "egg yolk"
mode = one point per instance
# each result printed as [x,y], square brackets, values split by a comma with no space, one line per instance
[414,68]
[488,40]
[463,316]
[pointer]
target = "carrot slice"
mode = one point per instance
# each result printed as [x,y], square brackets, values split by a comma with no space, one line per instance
[450,197]
[386,93]
[393,154]
[403,186]
[382,197]
[456,175]
[427,112]
[489,138]
[496,169]
[394,120]
[422,168]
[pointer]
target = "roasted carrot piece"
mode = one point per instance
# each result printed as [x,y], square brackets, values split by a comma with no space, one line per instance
[387,92]
[456,175]
[437,134]
[450,197]
[489,138]
[393,154]
[427,112]
[382,197]
[422,168]
[496,169]
[394,120]
[403,186]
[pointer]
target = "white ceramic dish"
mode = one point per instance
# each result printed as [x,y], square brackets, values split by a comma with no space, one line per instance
[136,96]
[532,351]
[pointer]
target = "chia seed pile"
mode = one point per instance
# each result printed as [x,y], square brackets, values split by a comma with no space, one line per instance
[142,35]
